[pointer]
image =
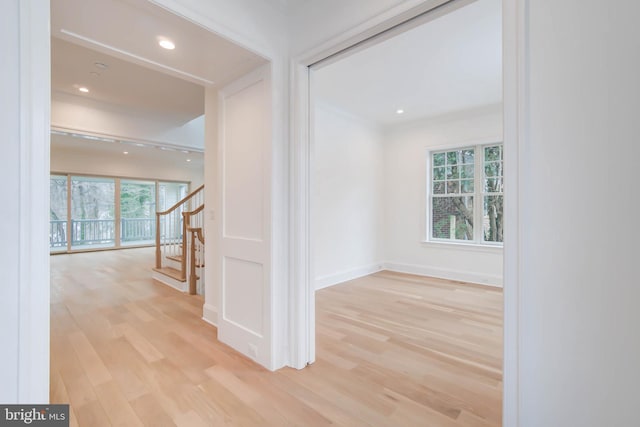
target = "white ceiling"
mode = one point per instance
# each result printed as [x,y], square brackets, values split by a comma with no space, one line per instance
[124,34]
[123,84]
[447,65]
[135,152]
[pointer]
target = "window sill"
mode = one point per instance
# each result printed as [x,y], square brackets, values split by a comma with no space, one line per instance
[471,247]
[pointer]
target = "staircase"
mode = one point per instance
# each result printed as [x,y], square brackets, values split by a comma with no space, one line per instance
[180,244]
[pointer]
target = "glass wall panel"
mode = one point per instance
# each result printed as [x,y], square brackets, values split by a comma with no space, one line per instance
[92,212]
[137,212]
[58,213]
[169,193]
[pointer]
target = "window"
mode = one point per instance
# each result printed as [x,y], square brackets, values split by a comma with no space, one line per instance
[466,195]
[92,212]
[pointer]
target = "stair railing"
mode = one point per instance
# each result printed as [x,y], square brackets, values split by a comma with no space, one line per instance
[171,229]
[196,258]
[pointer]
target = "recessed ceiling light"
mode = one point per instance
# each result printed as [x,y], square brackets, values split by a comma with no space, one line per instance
[399,111]
[83,89]
[167,44]
[125,152]
[188,160]
[101,65]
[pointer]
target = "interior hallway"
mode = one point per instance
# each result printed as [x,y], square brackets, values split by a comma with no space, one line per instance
[392,350]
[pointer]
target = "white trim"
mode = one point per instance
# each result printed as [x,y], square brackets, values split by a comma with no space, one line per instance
[35,107]
[210,314]
[372,28]
[443,273]
[461,246]
[81,133]
[346,275]
[302,287]
[515,82]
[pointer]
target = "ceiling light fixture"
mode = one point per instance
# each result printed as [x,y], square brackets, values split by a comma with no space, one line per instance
[188,160]
[399,111]
[83,89]
[167,44]
[125,152]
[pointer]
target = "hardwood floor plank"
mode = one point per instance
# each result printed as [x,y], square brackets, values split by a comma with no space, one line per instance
[392,350]
[89,359]
[116,405]
[148,409]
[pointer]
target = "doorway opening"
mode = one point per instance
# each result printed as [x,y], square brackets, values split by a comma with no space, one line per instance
[406,171]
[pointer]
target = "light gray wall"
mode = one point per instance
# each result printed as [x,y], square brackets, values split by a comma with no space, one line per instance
[347,197]
[406,150]
[579,341]
[10,195]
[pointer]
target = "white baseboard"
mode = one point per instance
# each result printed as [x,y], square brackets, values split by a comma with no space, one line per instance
[343,276]
[210,314]
[442,273]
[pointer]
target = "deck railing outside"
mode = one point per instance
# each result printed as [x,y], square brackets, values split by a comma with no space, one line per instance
[101,231]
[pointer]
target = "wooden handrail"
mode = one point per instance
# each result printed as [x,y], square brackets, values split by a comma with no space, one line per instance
[196,211]
[186,198]
[167,212]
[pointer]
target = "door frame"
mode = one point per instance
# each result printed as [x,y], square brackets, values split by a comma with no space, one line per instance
[302,299]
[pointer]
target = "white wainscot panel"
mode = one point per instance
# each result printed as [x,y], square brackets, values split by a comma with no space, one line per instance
[243,163]
[243,294]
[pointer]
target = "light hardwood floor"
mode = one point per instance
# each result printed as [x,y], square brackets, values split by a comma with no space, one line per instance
[392,350]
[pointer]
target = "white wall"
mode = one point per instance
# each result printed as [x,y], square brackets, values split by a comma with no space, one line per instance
[10,172]
[24,259]
[405,160]
[347,197]
[139,163]
[79,114]
[579,346]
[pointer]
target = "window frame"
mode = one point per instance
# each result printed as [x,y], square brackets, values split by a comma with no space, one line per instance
[478,194]
[117,208]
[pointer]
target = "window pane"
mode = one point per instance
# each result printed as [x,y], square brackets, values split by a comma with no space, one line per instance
[493,169]
[438,159]
[438,188]
[452,172]
[468,156]
[467,186]
[58,213]
[493,153]
[467,171]
[493,185]
[452,157]
[493,219]
[453,187]
[452,218]
[92,212]
[137,212]
[438,174]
